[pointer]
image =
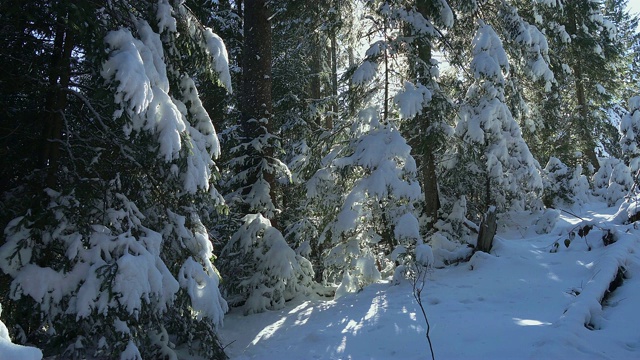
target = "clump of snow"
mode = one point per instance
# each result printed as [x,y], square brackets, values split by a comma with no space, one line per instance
[626,211]
[138,69]
[490,59]
[131,352]
[166,21]
[349,284]
[218,51]
[366,269]
[407,227]
[202,287]
[424,255]
[9,350]
[412,99]
[364,73]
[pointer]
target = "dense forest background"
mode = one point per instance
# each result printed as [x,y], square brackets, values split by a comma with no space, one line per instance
[163,160]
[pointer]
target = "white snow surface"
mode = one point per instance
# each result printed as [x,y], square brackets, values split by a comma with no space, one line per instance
[519,302]
[9,350]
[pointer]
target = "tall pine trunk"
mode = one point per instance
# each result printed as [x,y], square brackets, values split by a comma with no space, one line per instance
[55,103]
[581,129]
[256,85]
[426,158]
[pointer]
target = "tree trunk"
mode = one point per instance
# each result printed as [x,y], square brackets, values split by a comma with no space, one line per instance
[584,133]
[334,81]
[487,232]
[582,130]
[426,159]
[256,95]
[315,84]
[55,104]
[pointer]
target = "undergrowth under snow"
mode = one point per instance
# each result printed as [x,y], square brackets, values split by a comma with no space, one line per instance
[522,301]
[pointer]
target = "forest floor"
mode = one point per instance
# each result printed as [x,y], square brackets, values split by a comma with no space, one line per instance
[522,301]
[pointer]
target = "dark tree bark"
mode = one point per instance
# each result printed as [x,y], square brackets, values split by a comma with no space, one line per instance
[256,73]
[424,146]
[315,84]
[487,232]
[55,103]
[581,129]
[334,81]
[256,87]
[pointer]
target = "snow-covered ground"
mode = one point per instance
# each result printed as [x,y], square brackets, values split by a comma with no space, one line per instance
[520,302]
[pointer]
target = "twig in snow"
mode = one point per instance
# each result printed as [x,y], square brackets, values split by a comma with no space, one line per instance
[418,281]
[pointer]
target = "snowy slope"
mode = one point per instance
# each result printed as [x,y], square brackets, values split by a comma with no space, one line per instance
[520,302]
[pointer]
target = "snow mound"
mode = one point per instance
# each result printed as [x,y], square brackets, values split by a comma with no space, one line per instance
[9,350]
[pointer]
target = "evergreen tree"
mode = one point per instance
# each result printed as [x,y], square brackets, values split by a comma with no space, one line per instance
[587,50]
[371,181]
[256,198]
[112,257]
[497,165]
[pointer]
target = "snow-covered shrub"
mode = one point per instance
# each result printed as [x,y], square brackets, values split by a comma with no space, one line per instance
[268,272]
[580,187]
[601,177]
[452,241]
[620,182]
[556,183]
[546,222]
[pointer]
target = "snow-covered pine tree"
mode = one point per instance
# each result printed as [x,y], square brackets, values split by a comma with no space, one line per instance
[600,179]
[424,107]
[492,164]
[307,103]
[375,217]
[115,259]
[587,51]
[453,236]
[257,170]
